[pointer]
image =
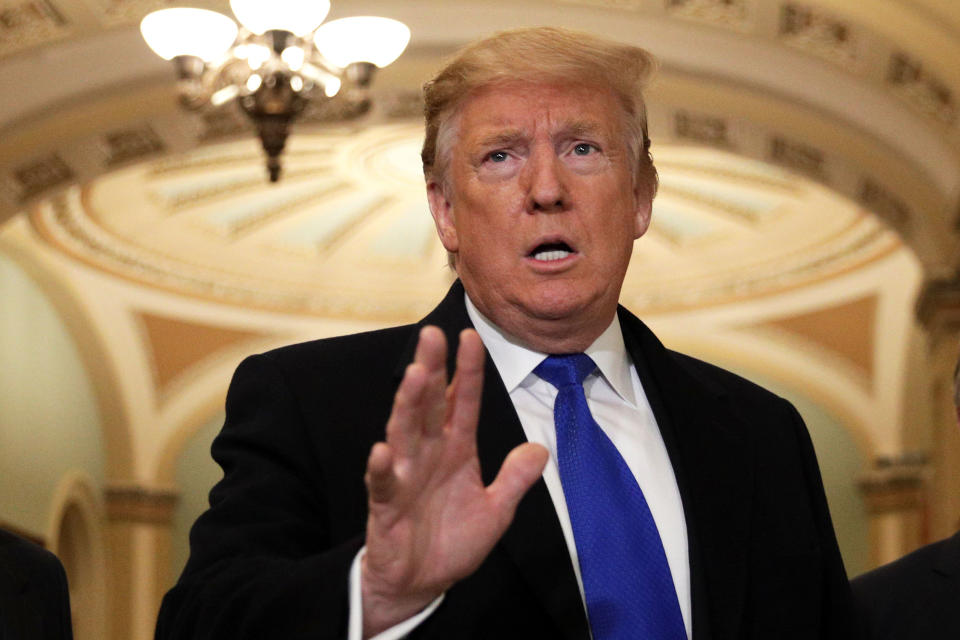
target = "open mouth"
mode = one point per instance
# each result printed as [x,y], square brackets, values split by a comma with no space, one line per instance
[550,251]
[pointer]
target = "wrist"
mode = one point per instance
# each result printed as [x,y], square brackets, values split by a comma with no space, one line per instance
[384,605]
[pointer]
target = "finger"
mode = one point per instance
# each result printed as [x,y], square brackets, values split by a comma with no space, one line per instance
[380,479]
[520,470]
[404,425]
[431,349]
[467,386]
[432,355]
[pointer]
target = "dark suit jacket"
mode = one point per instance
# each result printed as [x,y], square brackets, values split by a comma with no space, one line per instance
[34,600]
[271,556]
[916,597]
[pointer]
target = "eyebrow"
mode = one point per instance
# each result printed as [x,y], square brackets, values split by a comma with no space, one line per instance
[575,129]
[581,129]
[505,138]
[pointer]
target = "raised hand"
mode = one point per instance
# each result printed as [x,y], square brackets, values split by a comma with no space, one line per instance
[432,521]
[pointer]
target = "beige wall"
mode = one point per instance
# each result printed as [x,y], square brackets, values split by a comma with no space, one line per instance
[49,422]
[196,474]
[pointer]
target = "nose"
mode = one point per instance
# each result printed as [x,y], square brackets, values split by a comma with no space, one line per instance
[546,186]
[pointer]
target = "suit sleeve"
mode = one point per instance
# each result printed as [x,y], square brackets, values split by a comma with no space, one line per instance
[261,560]
[837,621]
[58,593]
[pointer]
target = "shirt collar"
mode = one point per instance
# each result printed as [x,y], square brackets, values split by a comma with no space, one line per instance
[515,362]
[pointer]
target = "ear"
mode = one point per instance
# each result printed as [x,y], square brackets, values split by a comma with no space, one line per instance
[442,211]
[643,211]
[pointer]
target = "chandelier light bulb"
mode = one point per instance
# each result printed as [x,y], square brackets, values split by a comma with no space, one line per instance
[362,39]
[188,32]
[279,61]
[294,57]
[256,55]
[299,17]
[225,95]
[331,86]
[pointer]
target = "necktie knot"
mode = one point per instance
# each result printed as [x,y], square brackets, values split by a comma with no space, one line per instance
[567,369]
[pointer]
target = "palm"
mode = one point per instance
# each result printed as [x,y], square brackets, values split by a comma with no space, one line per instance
[432,521]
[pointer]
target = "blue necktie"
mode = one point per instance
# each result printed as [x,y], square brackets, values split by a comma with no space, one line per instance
[626,578]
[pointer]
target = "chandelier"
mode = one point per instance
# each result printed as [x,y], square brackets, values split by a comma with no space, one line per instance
[279,59]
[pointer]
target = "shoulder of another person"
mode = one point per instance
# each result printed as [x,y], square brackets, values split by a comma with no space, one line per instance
[906,570]
[24,561]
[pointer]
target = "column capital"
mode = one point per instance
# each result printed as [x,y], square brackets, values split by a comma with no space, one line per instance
[938,306]
[148,505]
[895,484]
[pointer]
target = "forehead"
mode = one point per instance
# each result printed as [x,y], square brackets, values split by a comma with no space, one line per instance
[529,108]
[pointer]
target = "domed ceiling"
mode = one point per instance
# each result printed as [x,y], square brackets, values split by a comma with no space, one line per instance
[347,230]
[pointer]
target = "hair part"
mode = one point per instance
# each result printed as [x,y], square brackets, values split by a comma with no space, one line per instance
[542,55]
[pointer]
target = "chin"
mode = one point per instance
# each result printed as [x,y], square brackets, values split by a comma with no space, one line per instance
[560,304]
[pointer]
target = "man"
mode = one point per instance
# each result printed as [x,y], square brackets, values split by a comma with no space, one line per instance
[645,494]
[917,596]
[34,599]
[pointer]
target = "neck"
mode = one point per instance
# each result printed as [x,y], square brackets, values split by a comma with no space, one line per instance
[551,336]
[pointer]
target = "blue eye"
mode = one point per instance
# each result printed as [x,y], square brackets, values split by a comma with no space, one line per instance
[498,156]
[583,149]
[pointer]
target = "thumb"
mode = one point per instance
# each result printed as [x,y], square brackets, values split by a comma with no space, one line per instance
[519,471]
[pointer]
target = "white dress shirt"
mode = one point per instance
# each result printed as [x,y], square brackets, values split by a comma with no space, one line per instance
[620,406]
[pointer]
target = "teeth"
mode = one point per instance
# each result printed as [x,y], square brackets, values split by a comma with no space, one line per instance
[546,256]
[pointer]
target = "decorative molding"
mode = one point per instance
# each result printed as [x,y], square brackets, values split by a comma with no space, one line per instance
[798,156]
[729,14]
[888,206]
[702,128]
[40,175]
[895,484]
[140,505]
[30,22]
[131,144]
[819,32]
[910,79]
[207,218]
[63,222]
[112,13]
[630,5]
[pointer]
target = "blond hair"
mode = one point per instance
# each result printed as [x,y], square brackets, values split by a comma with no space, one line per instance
[545,55]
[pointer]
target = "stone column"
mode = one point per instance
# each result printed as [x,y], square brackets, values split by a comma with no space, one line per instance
[138,543]
[894,494]
[938,310]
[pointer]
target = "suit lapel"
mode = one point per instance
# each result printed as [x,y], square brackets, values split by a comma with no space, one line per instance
[713,467]
[534,540]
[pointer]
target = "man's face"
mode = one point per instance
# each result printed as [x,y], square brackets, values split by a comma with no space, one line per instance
[541,209]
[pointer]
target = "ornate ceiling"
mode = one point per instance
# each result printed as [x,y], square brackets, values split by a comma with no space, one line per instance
[868,106]
[809,152]
[347,231]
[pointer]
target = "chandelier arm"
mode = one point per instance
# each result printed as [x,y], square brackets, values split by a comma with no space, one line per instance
[274,74]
